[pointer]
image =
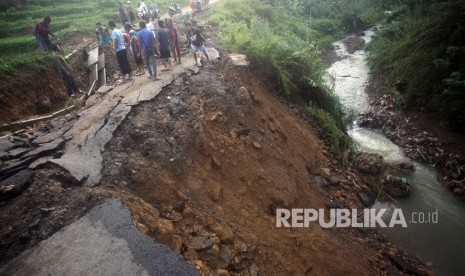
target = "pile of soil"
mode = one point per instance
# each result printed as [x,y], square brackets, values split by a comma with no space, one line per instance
[38,90]
[204,167]
[35,91]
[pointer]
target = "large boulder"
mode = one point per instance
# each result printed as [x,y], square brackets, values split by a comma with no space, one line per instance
[396,186]
[369,163]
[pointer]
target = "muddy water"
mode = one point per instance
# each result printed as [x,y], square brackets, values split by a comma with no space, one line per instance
[440,244]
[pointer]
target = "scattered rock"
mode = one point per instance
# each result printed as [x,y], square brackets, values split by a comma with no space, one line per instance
[225,234]
[200,243]
[257,145]
[254,270]
[13,166]
[224,257]
[20,183]
[216,162]
[403,265]
[46,149]
[243,132]
[176,243]
[326,172]
[18,152]
[396,186]
[164,230]
[233,134]
[53,135]
[406,166]
[369,163]
[216,240]
[221,272]
[5,145]
[367,196]
[333,180]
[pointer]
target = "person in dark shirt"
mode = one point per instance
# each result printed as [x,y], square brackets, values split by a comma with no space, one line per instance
[42,31]
[196,42]
[164,45]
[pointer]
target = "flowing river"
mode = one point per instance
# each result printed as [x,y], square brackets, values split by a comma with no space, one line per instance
[441,244]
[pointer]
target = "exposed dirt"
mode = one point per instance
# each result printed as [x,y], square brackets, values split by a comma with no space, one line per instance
[37,90]
[329,56]
[203,168]
[209,161]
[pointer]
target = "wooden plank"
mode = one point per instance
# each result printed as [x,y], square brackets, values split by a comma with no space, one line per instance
[28,122]
[91,88]
[101,61]
[70,55]
[92,57]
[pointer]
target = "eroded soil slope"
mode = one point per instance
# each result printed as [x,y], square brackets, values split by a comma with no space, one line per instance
[205,165]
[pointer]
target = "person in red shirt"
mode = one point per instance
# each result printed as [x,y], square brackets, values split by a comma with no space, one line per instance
[42,31]
[174,42]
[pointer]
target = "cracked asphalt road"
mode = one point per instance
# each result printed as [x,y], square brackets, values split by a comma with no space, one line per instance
[96,125]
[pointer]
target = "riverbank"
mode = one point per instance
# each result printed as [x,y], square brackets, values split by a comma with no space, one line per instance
[436,243]
[418,133]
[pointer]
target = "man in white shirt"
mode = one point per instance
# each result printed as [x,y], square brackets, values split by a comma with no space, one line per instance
[145,10]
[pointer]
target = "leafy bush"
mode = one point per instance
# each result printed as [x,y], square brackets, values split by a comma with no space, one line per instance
[338,139]
[275,40]
[424,46]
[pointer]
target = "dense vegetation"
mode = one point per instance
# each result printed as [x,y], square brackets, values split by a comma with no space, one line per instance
[422,44]
[71,17]
[287,39]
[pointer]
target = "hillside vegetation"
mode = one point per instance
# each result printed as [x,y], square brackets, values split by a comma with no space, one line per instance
[422,44]
[287,39]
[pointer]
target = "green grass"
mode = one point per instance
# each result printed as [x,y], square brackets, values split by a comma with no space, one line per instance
[289,46]
[424,46]
[18,46]
[10,66]
[338,138]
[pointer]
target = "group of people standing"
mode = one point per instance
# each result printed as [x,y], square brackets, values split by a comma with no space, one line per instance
[146,44]
[144,12]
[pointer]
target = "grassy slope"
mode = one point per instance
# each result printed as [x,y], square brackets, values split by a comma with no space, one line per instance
[424,46]
[288,46]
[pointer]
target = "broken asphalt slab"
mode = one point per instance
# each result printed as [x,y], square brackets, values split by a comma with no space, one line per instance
[96,125]
[20,181]
[12,166]
[103,242]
